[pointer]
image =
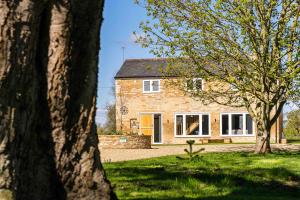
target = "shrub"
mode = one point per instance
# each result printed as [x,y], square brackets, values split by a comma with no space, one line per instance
[193,155]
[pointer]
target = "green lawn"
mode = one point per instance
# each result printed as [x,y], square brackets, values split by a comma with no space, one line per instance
[220,176]
[294,141]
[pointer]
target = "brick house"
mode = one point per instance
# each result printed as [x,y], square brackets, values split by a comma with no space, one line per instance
[146,104]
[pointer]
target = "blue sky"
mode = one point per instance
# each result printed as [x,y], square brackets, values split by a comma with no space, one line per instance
[121,18]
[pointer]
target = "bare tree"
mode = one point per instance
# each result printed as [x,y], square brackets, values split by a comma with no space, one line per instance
[110,124]
[48,78]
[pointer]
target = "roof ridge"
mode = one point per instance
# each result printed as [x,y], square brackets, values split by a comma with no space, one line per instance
[142,67]
[144,59]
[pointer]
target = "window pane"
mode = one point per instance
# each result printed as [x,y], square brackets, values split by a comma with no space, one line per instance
[198,84]
[155,86]
[205,124]
[237,124]
[225,125]
[192,124]
[147,86]
[190,84]
[249,125]
[179,125]
[233,87]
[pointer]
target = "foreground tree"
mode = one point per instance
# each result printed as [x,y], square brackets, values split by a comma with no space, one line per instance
[48,76]
[248,49]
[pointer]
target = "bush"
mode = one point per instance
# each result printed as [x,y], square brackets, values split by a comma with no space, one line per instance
[103,131]
[193,155]
[292,129]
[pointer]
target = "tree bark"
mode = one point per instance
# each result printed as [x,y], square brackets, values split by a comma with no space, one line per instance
[48,81]
[263,142]
[18,92]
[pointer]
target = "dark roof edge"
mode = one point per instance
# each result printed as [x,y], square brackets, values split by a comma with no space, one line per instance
[143,59]
[141,75]
[134,77]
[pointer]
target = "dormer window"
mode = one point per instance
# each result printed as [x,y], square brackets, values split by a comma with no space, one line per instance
[151,86]
[195,84]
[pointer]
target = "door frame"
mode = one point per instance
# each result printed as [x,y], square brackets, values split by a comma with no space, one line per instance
[161,126]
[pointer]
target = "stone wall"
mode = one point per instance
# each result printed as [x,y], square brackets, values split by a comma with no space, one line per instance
[168,102]
[125,141]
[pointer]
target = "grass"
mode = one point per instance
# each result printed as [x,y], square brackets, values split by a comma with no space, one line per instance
[198,144]
[215,176]
[294,141]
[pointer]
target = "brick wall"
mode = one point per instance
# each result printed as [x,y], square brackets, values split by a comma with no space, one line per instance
[169,101]
[124,142]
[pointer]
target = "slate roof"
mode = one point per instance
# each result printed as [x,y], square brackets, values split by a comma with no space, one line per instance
[139,68]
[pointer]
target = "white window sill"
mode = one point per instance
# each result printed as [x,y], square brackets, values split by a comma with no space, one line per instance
[150,92]
[192,136]
[195,90]
[253,135]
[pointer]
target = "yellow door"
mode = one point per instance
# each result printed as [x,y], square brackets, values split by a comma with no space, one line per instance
[147,124]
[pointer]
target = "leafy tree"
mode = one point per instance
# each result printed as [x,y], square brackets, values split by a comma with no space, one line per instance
[247,52]
[48,77]
[292,128]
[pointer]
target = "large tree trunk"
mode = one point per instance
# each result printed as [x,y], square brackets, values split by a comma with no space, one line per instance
[48,79]
[19,23]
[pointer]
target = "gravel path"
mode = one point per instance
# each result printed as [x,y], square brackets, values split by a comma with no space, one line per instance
[114,155]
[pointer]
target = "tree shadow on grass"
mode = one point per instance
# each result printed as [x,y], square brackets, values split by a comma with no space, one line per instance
[256,187]
[255,184]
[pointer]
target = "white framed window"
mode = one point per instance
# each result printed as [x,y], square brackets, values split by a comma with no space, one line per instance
[233,87]
[236,124]
[151,86]
[192,125]
[195,84]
